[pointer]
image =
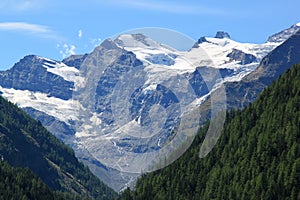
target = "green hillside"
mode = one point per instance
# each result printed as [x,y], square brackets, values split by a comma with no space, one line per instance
[22,184]
[257,156]
[24,142]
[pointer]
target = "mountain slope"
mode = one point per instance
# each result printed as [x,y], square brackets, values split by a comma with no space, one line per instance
[20,183]
[257,156]
[284,34]
[271,67]
[49,77]
[83,101]
[24,142]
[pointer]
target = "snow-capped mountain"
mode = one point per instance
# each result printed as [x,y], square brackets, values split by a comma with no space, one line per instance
[228,54]
[241,93]
[108,104]
[285,34]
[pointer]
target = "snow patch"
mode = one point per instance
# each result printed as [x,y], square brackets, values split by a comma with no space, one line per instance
[68,73]
[166,62]
[61,69]
[218,49]
[151,87]
[63,110]
[136,40]
[95,120]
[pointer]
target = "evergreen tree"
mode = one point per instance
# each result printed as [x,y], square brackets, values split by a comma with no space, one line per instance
[256,157]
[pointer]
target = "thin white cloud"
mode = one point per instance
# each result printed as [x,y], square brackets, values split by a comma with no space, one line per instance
[170,7]
[34,29]
[23,26]
[20,5]
[66,50]
[80,33]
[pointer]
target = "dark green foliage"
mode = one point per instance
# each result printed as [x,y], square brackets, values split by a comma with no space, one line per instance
[24,142]
[257,156]
[21,184]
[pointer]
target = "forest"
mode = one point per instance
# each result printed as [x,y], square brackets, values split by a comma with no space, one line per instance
[256,157]
[41,163]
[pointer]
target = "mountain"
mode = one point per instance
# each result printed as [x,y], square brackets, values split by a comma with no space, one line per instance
[256,157]
[270,69]
[123,105]
[21,183]
[285,34]
[25,143]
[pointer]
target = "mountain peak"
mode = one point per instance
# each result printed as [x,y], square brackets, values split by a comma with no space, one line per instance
[285,34]
[222,34]
[139,37]
[108,44]
[135,40]
[201,40]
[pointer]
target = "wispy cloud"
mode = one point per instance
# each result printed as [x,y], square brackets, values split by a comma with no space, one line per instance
[23,26]
[170,7]
[33,29]
[80,34]
[20,5]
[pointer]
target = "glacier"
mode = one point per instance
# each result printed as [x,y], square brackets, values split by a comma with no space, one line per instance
[127,84]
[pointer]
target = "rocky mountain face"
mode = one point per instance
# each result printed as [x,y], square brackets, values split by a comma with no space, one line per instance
[121,106]
[21,77]
[24,142]
[258,145]
[241,93]
[222,34]
[285,34]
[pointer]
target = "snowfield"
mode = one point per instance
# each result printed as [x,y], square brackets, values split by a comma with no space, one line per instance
[121,147]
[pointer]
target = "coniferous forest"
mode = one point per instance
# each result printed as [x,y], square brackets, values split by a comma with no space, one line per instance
[256,157]
[22,184]
[51,167]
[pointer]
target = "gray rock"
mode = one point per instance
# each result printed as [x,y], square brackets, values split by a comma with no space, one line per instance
[222,34]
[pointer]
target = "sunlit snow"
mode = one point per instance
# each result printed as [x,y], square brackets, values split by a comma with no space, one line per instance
[63,110]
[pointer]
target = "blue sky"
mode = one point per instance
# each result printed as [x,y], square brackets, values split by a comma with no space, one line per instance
[58,28]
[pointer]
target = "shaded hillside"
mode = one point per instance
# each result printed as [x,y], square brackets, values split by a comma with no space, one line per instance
[256,157]
[20,183]
[24,142]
